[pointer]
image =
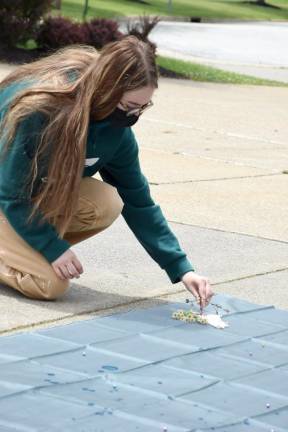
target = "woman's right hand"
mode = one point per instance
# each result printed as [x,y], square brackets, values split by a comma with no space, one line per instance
[199,286]
[67,266]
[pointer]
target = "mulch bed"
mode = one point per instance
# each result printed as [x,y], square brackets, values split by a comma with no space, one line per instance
[20,55]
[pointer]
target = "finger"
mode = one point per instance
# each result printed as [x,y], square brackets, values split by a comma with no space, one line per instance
[58,272]
[194,291]
[72,270]
[202,293]
[76,272]
[209,299]
[78,265]
[210,293]
[65,272]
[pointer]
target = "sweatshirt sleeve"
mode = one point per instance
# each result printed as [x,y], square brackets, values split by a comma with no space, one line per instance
[14,201]
[143,216]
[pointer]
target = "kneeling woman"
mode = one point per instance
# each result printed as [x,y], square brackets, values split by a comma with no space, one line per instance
[64,118]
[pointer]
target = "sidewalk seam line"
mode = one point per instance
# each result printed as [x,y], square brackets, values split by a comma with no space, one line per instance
[215,179]
[228,232]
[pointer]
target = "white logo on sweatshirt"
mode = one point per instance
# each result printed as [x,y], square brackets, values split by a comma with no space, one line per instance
[91,161]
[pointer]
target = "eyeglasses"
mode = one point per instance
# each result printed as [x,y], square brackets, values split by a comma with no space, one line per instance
[137,111]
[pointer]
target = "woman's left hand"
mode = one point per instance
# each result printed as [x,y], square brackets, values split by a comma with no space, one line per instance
[199,286]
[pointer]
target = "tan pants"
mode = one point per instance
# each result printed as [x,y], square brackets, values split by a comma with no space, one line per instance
[26,270]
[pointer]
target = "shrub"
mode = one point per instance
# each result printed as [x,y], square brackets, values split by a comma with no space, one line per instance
[102,31]
[57,32]
[19,20]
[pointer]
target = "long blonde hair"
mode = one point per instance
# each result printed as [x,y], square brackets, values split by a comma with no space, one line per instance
[102,78]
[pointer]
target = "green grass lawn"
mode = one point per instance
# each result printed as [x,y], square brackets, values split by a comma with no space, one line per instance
[234,9]
[198,72]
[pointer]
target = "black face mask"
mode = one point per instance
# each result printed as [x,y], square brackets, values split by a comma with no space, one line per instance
[119,118]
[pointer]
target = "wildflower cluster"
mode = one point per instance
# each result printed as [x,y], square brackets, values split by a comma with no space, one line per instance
[189,316]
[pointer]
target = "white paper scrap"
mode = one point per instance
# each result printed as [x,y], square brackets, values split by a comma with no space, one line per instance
[216,321]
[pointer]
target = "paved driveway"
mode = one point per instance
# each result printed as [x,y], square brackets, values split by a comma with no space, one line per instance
[255,48]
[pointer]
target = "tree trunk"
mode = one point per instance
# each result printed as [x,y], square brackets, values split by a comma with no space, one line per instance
[85,10]
[57,4]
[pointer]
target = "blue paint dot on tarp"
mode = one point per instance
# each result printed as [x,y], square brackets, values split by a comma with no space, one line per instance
[51,381]
[50,374]
[105,410]
[109,367]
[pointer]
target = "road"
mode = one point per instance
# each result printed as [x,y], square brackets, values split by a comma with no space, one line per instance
[257,48]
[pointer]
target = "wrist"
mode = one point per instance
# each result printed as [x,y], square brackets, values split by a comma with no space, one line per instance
[184,275]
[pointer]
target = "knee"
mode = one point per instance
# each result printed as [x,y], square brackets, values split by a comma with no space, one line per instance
[100,205]
[52,287]
[56,289]
[113,205]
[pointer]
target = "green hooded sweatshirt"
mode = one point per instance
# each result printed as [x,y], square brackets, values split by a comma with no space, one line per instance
[111,151]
